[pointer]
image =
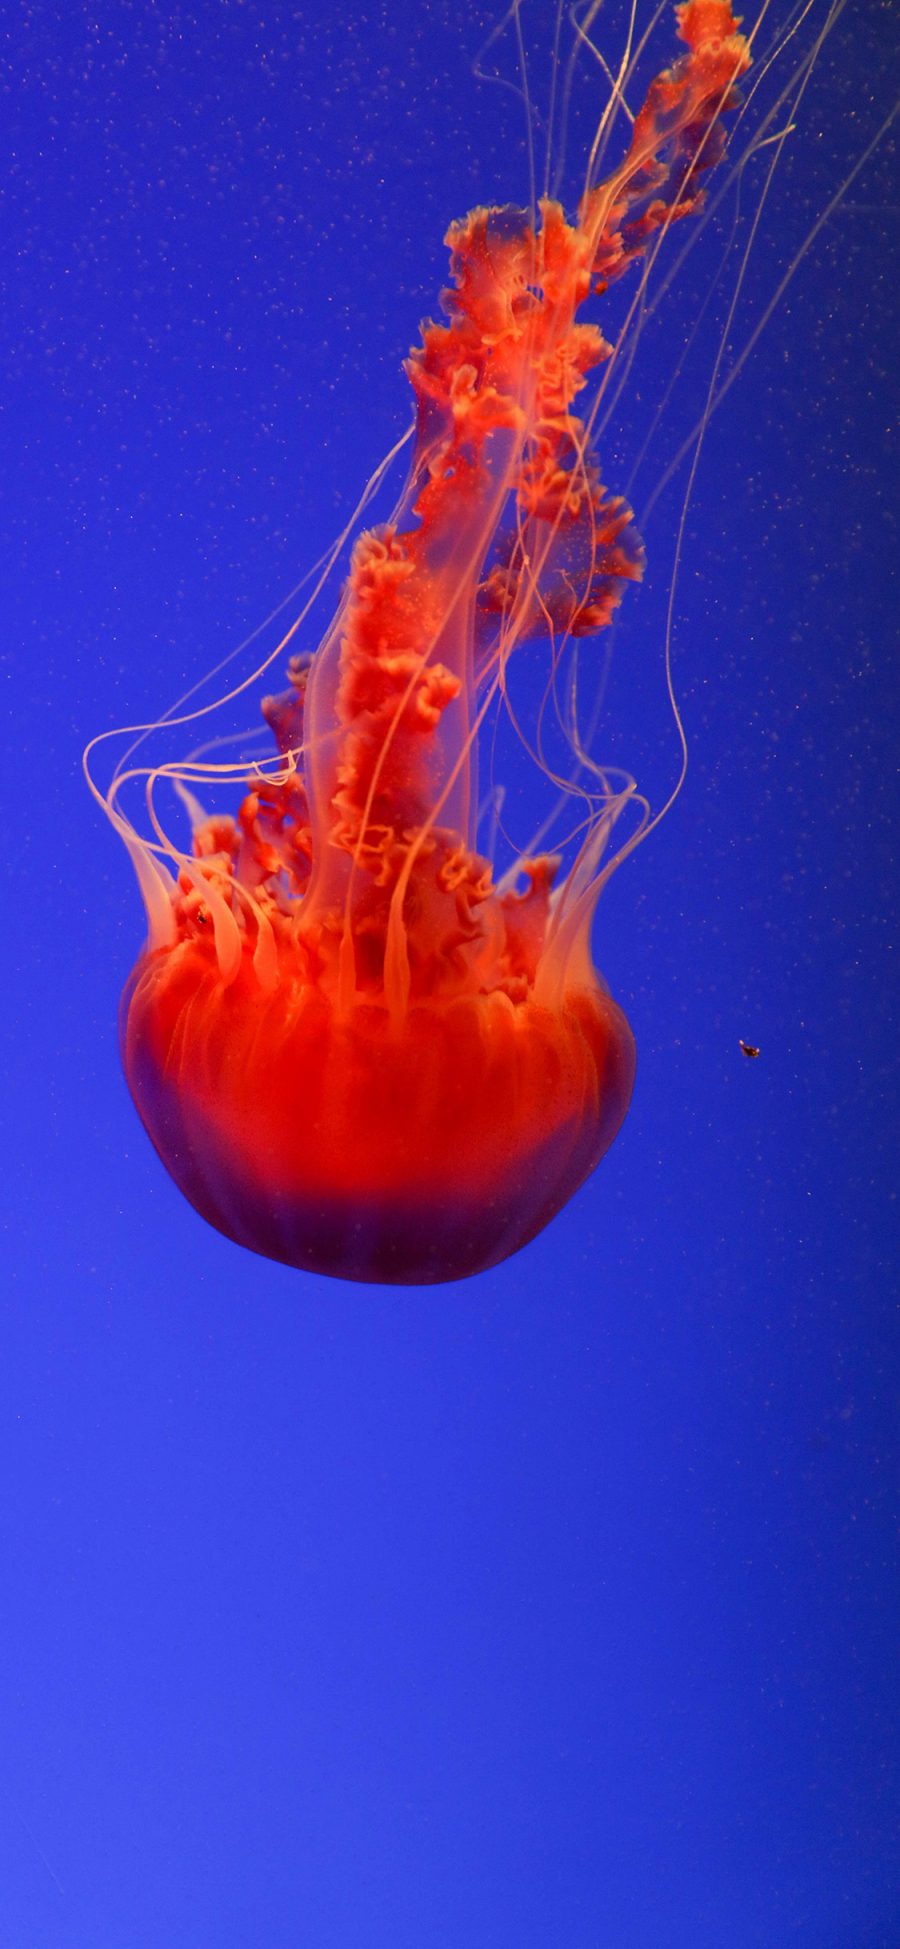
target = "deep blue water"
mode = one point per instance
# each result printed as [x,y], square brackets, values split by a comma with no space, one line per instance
[554,1610]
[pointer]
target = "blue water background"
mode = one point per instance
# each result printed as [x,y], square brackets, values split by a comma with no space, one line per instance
[552,1610]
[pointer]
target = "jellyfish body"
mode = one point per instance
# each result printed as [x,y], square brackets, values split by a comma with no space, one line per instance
[353,1051]
[339,1146]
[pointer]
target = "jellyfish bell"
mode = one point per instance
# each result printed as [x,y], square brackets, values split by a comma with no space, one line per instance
[342,1144]
[354,1048]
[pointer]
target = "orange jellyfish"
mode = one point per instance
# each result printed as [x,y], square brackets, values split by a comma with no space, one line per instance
[353,1050]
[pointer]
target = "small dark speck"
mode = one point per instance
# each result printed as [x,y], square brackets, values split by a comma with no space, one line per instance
[749,1048]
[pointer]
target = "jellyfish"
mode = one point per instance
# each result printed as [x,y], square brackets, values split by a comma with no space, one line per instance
[355,1049]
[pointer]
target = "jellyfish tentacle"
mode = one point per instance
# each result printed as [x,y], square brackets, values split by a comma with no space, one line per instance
[354,1049]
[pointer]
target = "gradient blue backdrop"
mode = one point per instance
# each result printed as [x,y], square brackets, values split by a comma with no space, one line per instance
[550,1611]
